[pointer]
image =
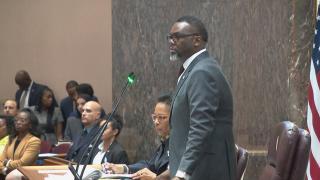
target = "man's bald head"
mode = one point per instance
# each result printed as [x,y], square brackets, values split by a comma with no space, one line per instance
[23,79]
[91,113]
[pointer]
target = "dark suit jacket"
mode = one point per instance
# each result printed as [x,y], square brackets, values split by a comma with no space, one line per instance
[80,145]
[66,106]
[115,154]
[158,163]
[34,94]
[201,138]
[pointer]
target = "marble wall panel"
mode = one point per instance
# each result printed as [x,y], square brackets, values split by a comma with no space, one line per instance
[263,47]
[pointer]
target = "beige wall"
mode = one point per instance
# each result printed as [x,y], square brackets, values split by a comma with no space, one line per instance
[56,41]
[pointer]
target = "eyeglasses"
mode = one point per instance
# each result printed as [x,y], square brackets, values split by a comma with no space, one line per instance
[22,120]
[160,117]
[176,36]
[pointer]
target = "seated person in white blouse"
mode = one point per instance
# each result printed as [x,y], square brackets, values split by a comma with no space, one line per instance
[110,150]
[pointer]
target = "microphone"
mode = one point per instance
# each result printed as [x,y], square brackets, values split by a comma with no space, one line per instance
[90,149]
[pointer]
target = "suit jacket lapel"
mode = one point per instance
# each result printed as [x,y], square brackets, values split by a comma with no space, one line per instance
[87,138]
[186,74]
[20,146]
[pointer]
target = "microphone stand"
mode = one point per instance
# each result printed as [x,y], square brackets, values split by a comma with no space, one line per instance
[131,78]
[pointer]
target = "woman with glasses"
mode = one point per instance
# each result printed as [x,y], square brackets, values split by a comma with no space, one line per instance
[24,143]
[158,163]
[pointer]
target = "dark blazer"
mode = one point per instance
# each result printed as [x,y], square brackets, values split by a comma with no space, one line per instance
[158,163]
[115,154]
[34,94]
[80,145]
[66,106]
[201,137]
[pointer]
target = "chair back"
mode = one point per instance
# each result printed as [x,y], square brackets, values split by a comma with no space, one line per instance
[288,148]
[242,161]
[45,147]
[61,148]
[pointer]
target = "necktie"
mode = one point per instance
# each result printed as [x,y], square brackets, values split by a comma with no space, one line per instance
[181,71]
[23,99]
[84,133]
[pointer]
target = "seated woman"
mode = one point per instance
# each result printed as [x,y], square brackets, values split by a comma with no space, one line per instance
[110,150]
[6,128]
[24,143]
[49,116]
[158,163]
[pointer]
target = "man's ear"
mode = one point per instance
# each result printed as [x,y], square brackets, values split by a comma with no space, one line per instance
[197,40]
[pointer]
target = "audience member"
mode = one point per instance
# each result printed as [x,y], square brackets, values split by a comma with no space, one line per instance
[85,88]
[24,143]
[90,119]
[68,104]
[10,107]
[6,128]
[28,91]
[110,150]
[158,163]
[74,125]
[49,116]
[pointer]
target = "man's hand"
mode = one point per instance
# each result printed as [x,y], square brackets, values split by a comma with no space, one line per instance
[144,174]
[113,168]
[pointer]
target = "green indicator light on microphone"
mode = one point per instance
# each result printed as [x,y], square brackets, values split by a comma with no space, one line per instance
[131,78]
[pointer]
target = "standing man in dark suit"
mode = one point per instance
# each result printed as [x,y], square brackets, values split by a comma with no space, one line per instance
[201,139]
[68,104]
[28,92]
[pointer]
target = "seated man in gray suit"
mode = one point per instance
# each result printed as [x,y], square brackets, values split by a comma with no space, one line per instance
[90,118]
[158,163]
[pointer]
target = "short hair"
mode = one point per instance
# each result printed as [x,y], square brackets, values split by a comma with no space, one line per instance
[165,98]
[86,97]
[72,83]
[116,122]
[196,23]
[4,102]
[85,88]
[34,124]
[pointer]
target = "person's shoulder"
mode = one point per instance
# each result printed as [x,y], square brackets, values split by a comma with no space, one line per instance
[72,119]
[119,147]
[57,110]
[38,85]
[33,138]
[33,108]
[65,100]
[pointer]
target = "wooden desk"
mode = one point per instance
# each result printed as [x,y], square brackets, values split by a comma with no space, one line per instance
[32,172]
[51,161]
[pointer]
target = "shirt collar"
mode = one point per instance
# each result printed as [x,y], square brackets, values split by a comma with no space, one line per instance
[29,87]
[191,58]
[89,128]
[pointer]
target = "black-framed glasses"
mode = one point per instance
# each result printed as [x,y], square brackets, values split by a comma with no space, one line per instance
[160,117]
[176,36]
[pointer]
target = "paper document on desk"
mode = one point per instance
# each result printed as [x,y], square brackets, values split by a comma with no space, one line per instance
[89,174]
[43,155]
[115,176]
